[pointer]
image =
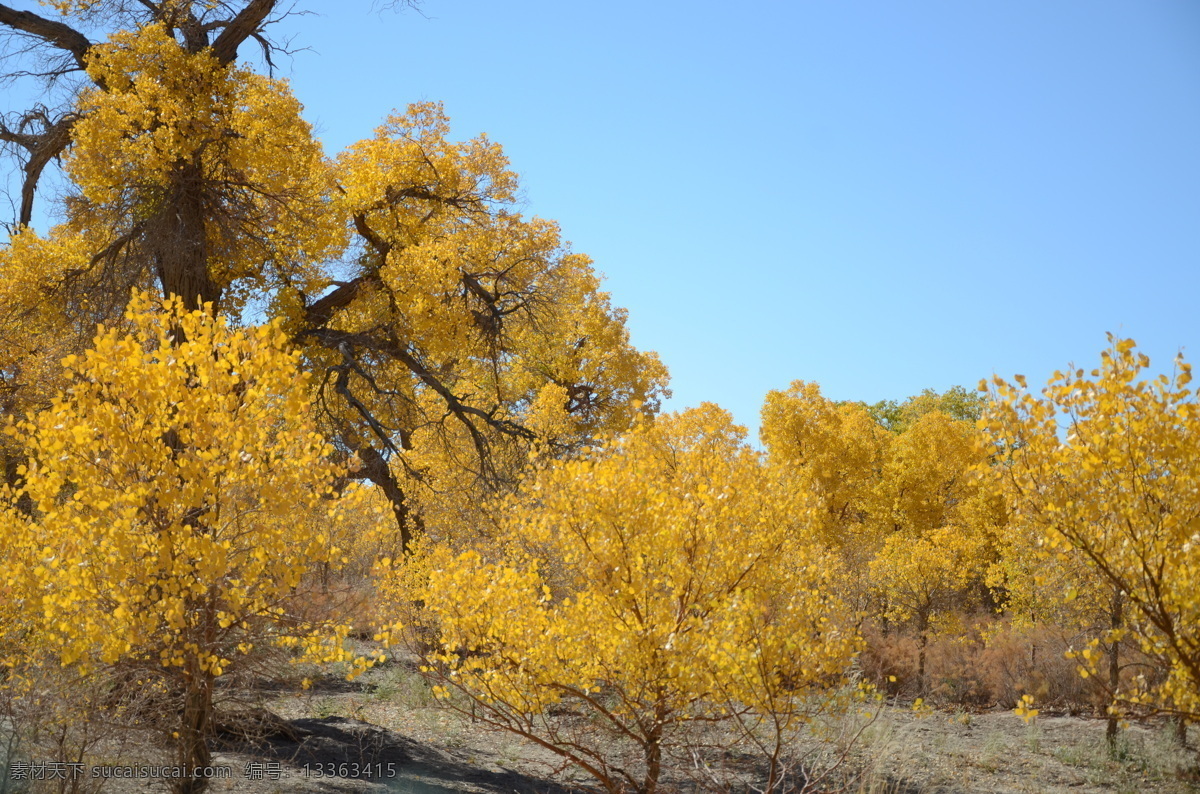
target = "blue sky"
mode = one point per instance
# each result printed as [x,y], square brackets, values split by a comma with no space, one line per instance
[877,196]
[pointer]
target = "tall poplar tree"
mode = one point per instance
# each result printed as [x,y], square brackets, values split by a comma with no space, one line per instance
[445,332]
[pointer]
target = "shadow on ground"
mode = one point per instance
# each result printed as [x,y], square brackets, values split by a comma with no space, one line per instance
[344,751]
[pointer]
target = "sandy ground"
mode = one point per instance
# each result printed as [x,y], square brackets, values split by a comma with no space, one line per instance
[388,730]
[898,751]
[997,752]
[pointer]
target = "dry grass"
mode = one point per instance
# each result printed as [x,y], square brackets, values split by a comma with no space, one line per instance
[968,744]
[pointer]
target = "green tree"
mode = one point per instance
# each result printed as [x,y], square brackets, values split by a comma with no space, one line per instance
[957,402]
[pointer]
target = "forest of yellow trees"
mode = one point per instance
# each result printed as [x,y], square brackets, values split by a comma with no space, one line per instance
[433,437]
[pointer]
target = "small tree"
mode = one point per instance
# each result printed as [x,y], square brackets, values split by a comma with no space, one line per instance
[662,582]
[924,577]
[165,482]
[1108,464]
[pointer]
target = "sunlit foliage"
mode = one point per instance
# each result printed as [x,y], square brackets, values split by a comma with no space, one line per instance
[901,508]
[166,482]
[663,579]
[1106,465]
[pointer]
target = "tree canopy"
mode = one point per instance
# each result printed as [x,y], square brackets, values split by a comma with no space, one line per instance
[445,332]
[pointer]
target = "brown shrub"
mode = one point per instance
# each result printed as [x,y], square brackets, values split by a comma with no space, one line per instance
[985,662]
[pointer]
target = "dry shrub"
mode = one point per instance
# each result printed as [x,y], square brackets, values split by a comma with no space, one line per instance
[955,674]
[987,662]
[59,716]
[889,661]
[1032,660]
[951,665]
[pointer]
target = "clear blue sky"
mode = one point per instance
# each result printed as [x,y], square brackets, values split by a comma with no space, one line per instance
[877,196]
[880,197]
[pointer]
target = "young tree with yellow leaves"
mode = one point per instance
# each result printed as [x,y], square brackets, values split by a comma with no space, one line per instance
[1106,465]
[935,525]
[166,482]
[926,576]
[1039,586]
[662,580]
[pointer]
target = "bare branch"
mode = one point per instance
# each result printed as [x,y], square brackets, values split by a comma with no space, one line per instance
[60,35]
[248,22]
[42,148]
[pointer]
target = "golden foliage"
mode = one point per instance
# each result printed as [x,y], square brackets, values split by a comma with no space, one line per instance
[256,170]
[165,481]
[34,336]
[472,289]
[901,508]
[1105,465]
[834,451]
[666,577]
[935,520]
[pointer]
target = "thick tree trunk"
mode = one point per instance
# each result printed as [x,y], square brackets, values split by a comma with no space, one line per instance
[377,470]
[178,240]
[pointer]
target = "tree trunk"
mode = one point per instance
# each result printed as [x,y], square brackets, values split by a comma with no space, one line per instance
[923,642]
[653,752]
[376,468]
[178,240]
[1114,673]
[192,747]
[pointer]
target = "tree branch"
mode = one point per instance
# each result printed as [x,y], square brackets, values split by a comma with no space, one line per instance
[381,246]
[52,32]
[248,22]
[464,413]
[321,312]
[42,147]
